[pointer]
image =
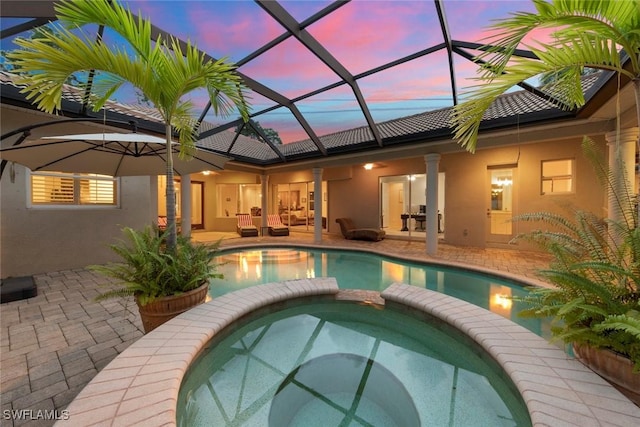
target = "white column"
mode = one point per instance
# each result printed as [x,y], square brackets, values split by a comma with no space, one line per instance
[153,186]
[432,161]
[622,146]
[264,181]
[317,205]
[185,204]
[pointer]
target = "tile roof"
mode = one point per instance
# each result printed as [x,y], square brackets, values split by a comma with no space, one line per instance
[422,126]
[438,121]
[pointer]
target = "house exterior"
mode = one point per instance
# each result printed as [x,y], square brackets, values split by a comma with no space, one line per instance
[529,160]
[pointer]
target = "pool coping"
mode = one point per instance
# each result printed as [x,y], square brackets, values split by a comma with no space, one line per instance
[141,385]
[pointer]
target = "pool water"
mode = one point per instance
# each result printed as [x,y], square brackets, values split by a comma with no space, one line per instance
[345,364]
[361,270]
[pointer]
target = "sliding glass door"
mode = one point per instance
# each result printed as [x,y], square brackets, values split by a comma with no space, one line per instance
[403,203]
[296,204]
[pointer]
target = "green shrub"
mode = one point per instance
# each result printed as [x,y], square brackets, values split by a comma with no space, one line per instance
[595,270]
[149,270]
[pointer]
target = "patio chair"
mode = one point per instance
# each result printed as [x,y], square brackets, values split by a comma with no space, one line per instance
[246,227]
[162,223]
[350,232]
[276,227]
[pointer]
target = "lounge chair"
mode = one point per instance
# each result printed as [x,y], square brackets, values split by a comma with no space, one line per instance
[350,232]
[276,227]
[162,223]
[246,227]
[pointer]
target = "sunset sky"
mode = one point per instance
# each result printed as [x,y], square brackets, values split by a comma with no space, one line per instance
[362,35]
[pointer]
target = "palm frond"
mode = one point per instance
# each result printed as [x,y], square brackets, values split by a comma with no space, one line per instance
[466,117]
[78,13]
[586,33]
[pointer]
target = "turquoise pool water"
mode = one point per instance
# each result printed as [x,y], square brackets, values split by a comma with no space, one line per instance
[360,270]
[343,364]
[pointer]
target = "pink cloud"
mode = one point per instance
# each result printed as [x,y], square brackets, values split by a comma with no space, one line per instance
[474,24]
[363,35]
[275,67]
[424,77]
[243,27]
[219,27]
[285,124]
[226,28]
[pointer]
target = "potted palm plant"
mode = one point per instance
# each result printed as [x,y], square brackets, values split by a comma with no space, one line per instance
[596,262]
[164,283]
[163,72]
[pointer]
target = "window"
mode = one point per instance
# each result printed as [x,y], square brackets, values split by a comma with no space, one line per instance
[66,189]
[557,176]
[239,198]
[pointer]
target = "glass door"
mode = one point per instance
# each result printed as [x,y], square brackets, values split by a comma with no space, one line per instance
[197,204]
[403,203]
[500,206]
[392,190]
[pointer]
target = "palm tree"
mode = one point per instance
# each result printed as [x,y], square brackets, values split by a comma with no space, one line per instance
[163,72]
[597,34]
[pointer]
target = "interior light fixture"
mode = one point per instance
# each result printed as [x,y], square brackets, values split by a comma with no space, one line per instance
[368,166]
[501,182]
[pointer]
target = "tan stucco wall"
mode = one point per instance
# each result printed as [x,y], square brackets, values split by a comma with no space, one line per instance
[37,240]
[354,192]
[466,189]
[358,196]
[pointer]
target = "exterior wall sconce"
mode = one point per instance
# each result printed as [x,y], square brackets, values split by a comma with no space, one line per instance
[368,166]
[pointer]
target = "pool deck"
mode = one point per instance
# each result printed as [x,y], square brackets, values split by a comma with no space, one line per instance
[54,344]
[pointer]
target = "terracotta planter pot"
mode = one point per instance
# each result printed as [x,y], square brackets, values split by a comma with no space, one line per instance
[163,309]
[616,369]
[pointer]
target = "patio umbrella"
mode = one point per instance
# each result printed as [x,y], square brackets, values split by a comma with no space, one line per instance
[114,154]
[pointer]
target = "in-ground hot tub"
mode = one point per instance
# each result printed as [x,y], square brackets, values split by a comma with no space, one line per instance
[331,363]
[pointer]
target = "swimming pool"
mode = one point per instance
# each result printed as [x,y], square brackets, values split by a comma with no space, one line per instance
[363,270]
[339,363]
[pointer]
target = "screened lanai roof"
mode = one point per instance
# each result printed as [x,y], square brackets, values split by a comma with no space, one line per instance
[324,77]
